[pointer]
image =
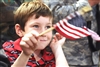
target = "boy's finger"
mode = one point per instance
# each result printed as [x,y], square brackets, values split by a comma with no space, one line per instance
[23,44]
[35,33]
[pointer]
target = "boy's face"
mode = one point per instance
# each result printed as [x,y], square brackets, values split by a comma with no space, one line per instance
[39,25]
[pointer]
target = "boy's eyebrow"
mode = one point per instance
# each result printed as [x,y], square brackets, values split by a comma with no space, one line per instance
[47,23]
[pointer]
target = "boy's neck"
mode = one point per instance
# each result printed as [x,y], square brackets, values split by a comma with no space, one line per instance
[37,55]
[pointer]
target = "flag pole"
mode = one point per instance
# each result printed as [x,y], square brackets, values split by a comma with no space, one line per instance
[82,11]
[50,29]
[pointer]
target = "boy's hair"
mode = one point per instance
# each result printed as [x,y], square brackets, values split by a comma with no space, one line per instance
[29,9]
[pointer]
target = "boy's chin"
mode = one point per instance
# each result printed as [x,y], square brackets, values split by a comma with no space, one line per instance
[41,47]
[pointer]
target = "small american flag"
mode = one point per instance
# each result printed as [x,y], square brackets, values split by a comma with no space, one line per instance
[72,27]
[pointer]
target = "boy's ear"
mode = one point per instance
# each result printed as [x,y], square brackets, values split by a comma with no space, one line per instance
[18,30]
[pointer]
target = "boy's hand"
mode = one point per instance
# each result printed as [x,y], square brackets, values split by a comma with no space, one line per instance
[29,43]
[57,40]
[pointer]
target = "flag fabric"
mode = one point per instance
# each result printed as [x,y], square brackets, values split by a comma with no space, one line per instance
[94,35]
[72,27]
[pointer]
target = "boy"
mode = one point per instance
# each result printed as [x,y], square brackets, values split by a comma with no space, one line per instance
[31,19]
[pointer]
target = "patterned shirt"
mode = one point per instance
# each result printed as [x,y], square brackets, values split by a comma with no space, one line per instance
[13,50]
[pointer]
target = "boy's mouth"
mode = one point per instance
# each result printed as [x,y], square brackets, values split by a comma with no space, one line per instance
[43,39]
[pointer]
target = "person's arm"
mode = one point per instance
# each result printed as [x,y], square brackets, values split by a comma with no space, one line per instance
[27,48]
[56,46]
[60,57]
[21,61]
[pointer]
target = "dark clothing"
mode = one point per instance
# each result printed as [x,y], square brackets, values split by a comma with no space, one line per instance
[4,62]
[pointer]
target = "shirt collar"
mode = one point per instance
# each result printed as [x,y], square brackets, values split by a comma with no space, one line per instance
[17,44]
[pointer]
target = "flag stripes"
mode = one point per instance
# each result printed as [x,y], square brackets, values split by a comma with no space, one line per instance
[70,31]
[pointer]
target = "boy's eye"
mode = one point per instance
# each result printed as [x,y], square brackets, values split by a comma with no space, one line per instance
[48,27]
[36,26]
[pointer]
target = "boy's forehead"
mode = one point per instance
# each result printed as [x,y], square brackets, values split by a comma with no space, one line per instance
[46,19]
[37,16]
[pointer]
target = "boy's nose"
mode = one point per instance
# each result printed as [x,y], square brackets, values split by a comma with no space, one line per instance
[42,30]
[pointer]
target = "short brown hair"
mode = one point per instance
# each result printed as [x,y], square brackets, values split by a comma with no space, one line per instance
[29,9]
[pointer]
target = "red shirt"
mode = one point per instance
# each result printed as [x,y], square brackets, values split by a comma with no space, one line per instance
[13,50]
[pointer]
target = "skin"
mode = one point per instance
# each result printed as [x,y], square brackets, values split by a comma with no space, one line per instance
[93,2]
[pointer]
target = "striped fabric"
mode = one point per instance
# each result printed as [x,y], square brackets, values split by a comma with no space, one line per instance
[74,27]
[94,35]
